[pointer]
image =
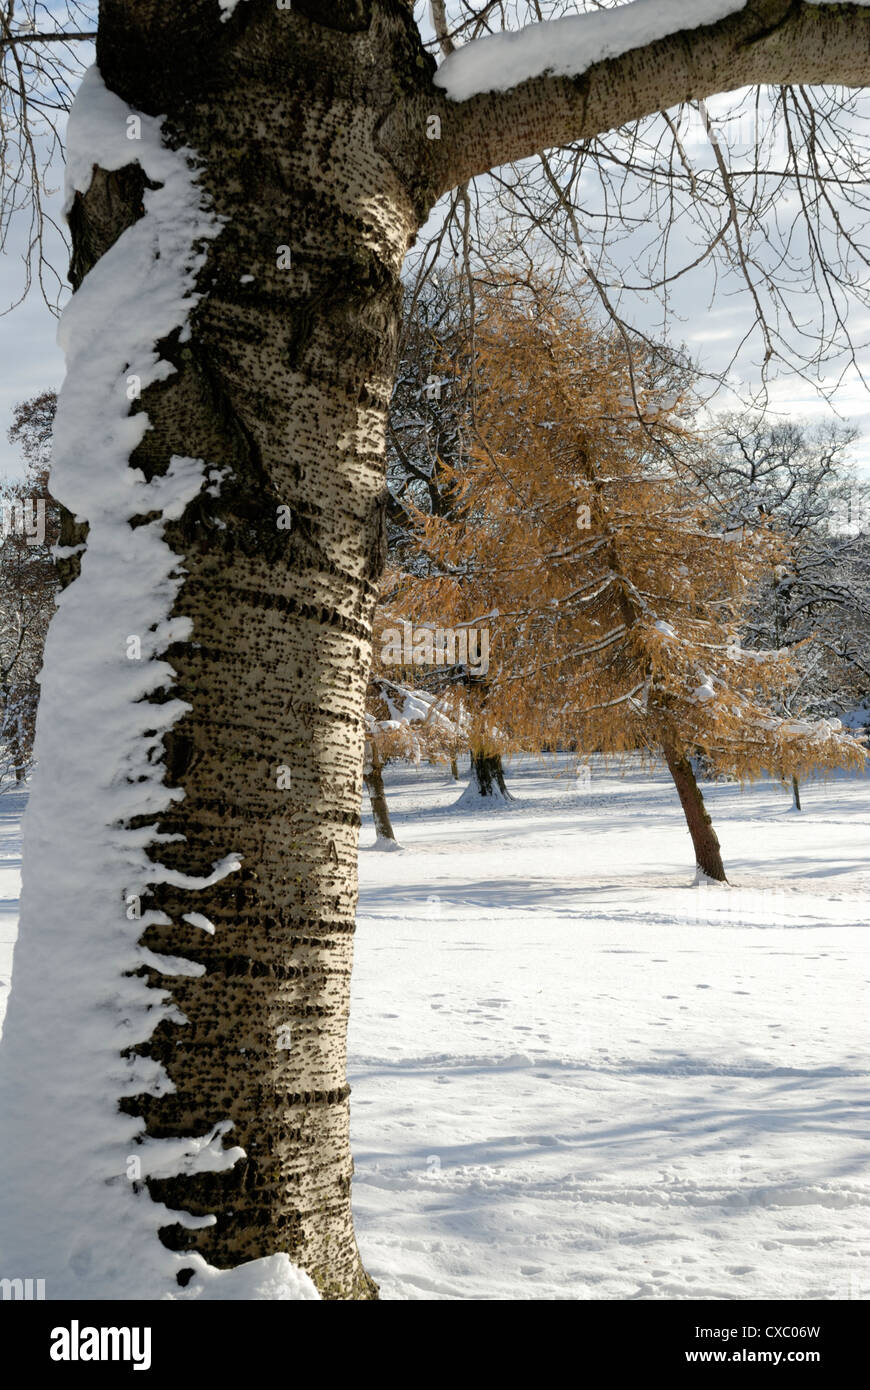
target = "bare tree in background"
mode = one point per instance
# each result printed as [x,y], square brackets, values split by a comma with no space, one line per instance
[28,584]
[799,480]
[42,47]
[432,423]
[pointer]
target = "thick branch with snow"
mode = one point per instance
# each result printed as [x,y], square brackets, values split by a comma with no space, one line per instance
[511,95]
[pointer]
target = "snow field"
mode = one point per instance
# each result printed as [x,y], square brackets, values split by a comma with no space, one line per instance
[576,1076]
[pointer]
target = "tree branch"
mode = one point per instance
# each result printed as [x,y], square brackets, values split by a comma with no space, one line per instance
[439,23]
[764,42]
[9,39]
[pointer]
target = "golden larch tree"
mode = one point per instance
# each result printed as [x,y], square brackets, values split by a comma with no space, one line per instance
[613,598]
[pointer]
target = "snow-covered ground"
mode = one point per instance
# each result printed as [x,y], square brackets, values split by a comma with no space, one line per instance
[575,1075]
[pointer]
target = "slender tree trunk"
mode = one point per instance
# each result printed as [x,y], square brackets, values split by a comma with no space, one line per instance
[796,793]
[488,775]
[708,855]
[454,769]
[374,780]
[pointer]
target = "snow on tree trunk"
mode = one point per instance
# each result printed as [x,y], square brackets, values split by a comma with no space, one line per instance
[82,1018]
[708,855]
[280,383]
[486,781]
[283,387]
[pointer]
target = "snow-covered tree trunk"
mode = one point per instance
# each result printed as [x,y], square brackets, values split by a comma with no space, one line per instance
[284,384]
[487,777]
[280,383]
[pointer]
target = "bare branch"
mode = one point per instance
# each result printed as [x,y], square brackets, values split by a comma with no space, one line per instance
[8,39]
[439,23]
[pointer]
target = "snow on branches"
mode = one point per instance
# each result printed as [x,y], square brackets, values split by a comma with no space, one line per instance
[567,47]
[403,723]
